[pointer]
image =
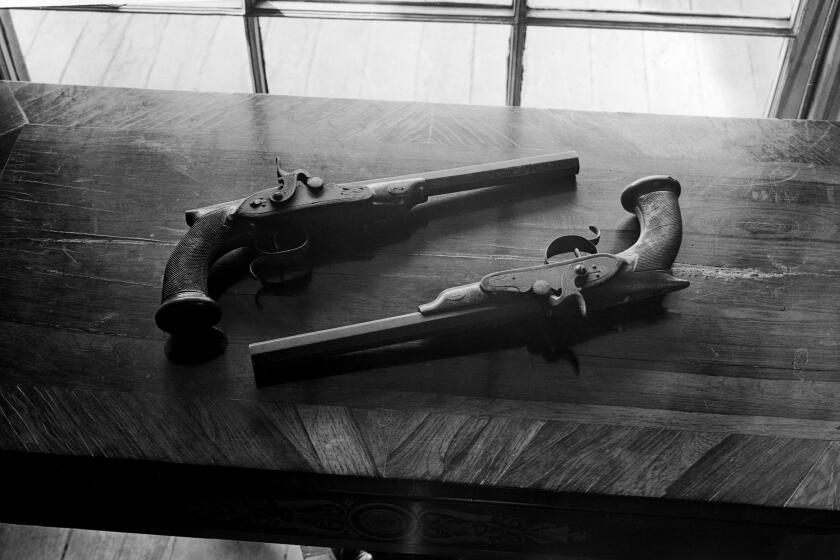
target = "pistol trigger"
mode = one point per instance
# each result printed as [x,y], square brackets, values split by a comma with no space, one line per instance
[581,303]
[596,237]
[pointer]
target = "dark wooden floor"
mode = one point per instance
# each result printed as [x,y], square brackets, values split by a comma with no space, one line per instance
[25,542]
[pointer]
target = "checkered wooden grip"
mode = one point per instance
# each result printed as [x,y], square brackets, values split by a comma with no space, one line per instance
[185,306]
[654,201]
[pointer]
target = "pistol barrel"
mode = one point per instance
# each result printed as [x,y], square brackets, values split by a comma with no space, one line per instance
[534,168]
[269,356]
[542,167]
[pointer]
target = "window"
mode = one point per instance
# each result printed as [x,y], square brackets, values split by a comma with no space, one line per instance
[710,57]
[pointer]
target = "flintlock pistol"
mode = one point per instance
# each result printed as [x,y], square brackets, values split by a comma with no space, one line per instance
[581,274]
[277,222]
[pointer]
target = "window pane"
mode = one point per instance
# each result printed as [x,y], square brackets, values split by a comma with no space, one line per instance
[752,8]
[188,5]
[154,6]
[197,53]
[406,61]
[429,2]
[650,71]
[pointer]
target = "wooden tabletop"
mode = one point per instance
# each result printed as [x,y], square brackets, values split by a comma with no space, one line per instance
[712,418]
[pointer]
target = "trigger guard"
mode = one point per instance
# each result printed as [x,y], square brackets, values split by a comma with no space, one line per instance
[276,266]
[569,243]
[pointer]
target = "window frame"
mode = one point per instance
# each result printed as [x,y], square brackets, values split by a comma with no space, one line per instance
[808,30]
[12,65]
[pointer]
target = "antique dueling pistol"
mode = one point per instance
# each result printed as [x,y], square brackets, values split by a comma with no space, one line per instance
[275,222]
[593,280]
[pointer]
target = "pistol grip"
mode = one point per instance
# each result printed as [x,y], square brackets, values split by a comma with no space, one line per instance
[185,305]
[654,201]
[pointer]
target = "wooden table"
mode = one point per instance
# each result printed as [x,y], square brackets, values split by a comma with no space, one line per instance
[709,423]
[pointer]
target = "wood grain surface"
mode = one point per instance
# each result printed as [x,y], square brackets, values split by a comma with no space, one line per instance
[24,542]
[711,417]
